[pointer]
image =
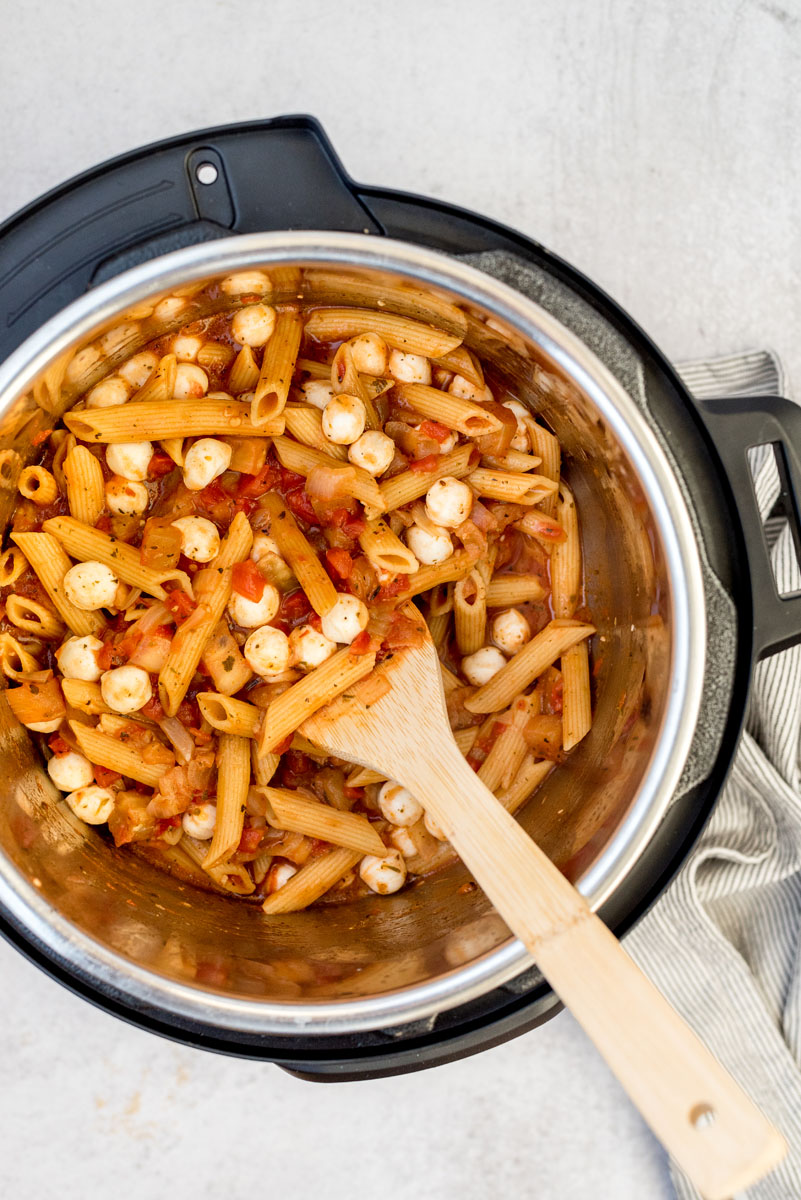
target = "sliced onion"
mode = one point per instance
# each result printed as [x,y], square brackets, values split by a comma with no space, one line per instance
[181,740]
[330,483]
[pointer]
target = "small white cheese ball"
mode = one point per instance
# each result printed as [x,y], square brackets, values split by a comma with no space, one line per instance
[429,548]
[480,667]
[168,309]
[252,613]
[402,840]
[383,875]
[204,461]
[510,631]
[398,805]
[343,419]
[369,353]
[185,348]
[77,658]
[200,538]
[191,381]
[449,443]
[253,325]
[70,771]
[409,368]
[521,439]
[448,502]
[373,451]
[91,585]
[434,829]
[107,393]
[246,283]
[137,370]
[317,392]
[281,873]
[345,621]
[459,386]
[125,689]
[309,648]
[43,726]
[130,459]
[81,363]
[92,804]
[263,545]
[267,651]
[199,821]
[125,498]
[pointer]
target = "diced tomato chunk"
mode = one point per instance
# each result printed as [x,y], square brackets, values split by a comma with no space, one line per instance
[247,580]
[350,523]
[180,605]
[58,745]
[160,464]
[353,793]
[295,608]
[424,464]
[298,500]
[252,486]
[433,429]
[362,643]
[104,777]
[393,588]
[290,479]
[153,708]
[104,656]
[339,562]
[41,436]
[249,841]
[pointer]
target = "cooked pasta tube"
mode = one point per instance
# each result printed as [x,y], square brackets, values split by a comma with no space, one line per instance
[514,486]
[244,373]
[301,815]
[512,460]
[224,661]
[461,362]
[86,696]
[159,387]
[333,324]
[544,444]
[33,617]
[51,564]
[212,590]
[175,448]
[156,421]
[331,286]
[303,460]
[264,765]
[237,543]
[465,738]
[106,751]
[231,877]
[576,703]
[34,702]
[261,865]
[306,426]
[289,710]
[410,485]
[312,881]
[521,670]
[233,781]
[470,612]
[300,555]
[13,563]
[37,484]
[93,545]
[214,354]
[439,625]
[345,378]
[509,748]
[529,776]
[229,715]
[277,367]
[362,776]
[313,369]
[566,558]
[15,659]
[462,415]
[456,567]
[505,591]
[385,550]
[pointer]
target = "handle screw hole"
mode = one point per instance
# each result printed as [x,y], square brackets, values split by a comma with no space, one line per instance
[702,1116]
[206,173]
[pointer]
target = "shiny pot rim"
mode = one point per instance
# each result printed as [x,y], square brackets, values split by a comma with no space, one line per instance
[346,250]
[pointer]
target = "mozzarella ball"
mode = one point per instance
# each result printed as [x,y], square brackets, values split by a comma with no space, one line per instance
[107,393]
[168,309]
[70,771]
[43,726]
[343,419]
[252,613]
[204,461]
[81,363]
[409,368]
[369,353]
[125,498]
[429,548]
[510,631]
[281,873]
[125,689]
[246,283]
[383,875]
[373,451]
[434,829]
[346,619]
[398,805]
[317,392]
[448,502]
[77,658]
[185,348]
[91,585]
[191,381]
[263,544]
[449,443]
[309,648]
[267,651]
[459,386]
[480,667]
[199,821]
[130,459]
[253,325]
[92,804]
[402,840]
[521,439]
[200,539]
[137,370]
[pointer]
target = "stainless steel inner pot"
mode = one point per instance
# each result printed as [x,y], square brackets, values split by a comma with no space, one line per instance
[111,917]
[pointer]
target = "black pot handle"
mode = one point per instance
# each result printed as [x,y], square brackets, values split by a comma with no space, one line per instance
[263,175]
[736,425]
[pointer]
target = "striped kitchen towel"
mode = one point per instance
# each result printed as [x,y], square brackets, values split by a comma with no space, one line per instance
[724,942]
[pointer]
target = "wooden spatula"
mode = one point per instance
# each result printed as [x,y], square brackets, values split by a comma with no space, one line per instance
[395,722]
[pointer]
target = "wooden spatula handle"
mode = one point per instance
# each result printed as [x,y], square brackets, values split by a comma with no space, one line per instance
[692,1104]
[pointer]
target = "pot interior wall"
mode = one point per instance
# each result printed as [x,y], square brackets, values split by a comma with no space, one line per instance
[169,925]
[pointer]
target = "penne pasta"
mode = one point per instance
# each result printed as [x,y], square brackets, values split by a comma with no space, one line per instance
[288,712]
[215,354]
[465,738]
[362,776]
[83,695]
[470,612]
[546,446]
[93,545]
[412,484]
[521,670]
[462,415]
[233,781]
[51,564]
[306,427]
[513,486]
[264,765]
[312,881]
[175,448]
[509,748]
[13,563]
[335,324]
[229,715]
[38,485]
[155,421]
[456,567]
[461,362]
[301,815]
[110,752]
[505,591]
[346,379]
[529,776]
[303,460]
[566,558]
[37,702]
[385,550]
[224,662]
[244,373]
[16,659]
[300,555]
[512,460]
[231,877]
[576,702]
[33,617]
[328,286]
[212,590]
[237,543]
[277,368]
[159,388]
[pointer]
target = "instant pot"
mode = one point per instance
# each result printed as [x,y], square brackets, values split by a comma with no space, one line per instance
[678,580]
